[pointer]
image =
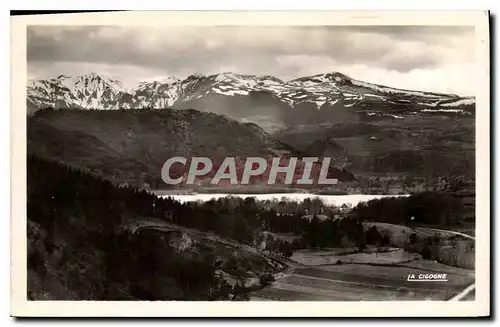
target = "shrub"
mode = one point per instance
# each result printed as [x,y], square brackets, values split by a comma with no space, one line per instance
[413,238]
[385,240]
[266,279]
[373,236]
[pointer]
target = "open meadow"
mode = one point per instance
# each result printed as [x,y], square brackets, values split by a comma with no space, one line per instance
[364,277]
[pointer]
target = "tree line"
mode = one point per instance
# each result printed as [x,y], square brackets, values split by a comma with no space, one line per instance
[422,208]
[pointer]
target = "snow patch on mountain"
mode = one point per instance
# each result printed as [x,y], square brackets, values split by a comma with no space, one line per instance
[461,102]
[390,90]
[230,92]
[443,110]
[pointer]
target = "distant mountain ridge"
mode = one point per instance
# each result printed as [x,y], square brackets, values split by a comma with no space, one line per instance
[131,146]
[323,97]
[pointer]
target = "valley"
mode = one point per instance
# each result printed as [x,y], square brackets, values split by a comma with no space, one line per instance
[342,274]
[102,224]
[88,239]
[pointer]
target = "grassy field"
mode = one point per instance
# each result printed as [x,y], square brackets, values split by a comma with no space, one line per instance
[367,281]
[389,256]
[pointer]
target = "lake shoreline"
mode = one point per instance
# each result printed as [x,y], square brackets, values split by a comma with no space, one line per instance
[330,200]
[258,192]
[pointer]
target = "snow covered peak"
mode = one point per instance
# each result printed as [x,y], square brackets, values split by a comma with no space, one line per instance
[333,77]
[148,86]
[94,81]
[193,77]
[170,80]
[86,91]
[337,77]
[156,94]
[197,75]
[61,77]
[270,78]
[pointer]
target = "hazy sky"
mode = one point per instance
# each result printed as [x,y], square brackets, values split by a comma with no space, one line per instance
[430,58]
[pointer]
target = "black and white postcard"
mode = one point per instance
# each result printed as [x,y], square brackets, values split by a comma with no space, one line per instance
[229,164]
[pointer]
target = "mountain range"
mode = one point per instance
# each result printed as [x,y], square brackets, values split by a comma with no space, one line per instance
[369,130]
[266,100]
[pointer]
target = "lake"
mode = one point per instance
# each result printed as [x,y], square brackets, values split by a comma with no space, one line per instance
[331,200]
